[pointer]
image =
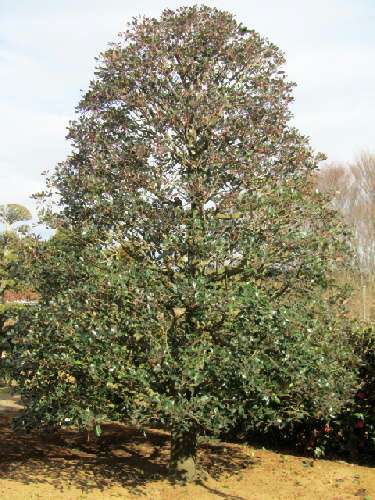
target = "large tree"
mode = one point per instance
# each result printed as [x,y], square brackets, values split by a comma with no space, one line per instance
[191,280]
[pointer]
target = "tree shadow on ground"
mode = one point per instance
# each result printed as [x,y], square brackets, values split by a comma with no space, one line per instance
[121,456]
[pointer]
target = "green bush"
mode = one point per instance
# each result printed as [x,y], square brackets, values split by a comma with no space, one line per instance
[352,431]
[348,434]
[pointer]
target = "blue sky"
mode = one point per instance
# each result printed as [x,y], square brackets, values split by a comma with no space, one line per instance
[47,51]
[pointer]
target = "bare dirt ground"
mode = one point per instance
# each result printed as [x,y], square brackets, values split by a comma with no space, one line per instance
[123,463]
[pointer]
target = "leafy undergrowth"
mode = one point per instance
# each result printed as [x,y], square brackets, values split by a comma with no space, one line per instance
[125,463]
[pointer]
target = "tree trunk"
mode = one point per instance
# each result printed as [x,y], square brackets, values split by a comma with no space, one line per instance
[183,461]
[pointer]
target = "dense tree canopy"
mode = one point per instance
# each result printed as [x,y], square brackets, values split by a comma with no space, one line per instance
[193,284]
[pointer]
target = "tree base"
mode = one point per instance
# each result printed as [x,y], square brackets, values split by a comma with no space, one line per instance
[183,462]
[185,471]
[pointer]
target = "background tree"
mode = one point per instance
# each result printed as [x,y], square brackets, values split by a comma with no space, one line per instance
[12,213]
[9,241]
[352,191]
[196,288]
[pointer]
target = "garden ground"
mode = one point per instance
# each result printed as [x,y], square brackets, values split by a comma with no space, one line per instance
[123,463]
